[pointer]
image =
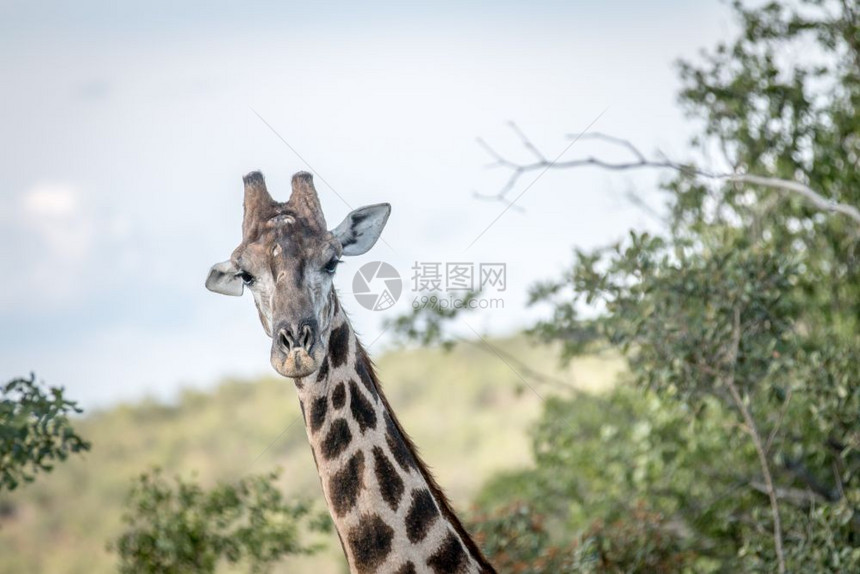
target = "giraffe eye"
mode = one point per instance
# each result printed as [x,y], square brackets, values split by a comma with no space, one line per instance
[246,277]
[331,266]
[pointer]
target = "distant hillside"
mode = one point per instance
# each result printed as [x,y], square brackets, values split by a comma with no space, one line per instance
[467,410]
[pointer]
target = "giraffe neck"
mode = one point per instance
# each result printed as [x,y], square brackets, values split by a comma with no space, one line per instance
[388,511]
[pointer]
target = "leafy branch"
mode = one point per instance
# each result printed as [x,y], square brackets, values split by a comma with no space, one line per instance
[35,431]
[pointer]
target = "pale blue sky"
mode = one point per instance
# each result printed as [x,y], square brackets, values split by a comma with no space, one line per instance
[127,128]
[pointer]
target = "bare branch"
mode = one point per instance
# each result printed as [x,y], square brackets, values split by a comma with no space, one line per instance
[614,140]
[490,197]
[796,496]
[527,142]
[752,430]
[641,161]
[499,159]
[805,191]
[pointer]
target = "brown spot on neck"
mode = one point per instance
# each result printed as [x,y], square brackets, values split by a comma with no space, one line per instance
[364,365]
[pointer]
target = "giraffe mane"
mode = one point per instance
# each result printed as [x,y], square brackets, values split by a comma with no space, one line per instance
[445,505]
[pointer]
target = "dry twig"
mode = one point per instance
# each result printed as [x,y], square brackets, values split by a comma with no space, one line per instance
[640,161]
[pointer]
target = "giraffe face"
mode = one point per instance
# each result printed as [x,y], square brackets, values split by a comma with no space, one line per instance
[287,260]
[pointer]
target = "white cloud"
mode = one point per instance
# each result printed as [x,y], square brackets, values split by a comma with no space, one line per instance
[53,212]
[64,246]
[53,200]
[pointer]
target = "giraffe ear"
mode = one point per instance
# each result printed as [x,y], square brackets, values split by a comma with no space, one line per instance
[223,278]
[361,228]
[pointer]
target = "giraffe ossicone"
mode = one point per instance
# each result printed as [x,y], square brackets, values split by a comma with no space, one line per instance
[388,511]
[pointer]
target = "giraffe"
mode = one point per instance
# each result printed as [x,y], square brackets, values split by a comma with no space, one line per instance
[389,512]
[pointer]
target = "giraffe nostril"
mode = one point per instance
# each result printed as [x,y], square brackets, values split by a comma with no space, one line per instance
[285,340]
[290,339]
[307,337]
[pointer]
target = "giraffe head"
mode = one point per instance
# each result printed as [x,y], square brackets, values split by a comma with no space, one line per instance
[287,259]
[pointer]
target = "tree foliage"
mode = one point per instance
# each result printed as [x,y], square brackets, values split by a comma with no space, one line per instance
[181,527]
[35,431]
[750,303]
[741,327]
[602,497]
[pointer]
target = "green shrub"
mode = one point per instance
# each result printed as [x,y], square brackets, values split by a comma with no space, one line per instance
[179,527]
[35,431]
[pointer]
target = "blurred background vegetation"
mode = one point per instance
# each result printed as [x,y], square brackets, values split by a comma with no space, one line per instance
[468,412]
[689,401]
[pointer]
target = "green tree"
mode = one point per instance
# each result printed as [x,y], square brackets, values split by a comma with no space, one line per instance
[742,318]
[182,528]
[753,297]
[35,431]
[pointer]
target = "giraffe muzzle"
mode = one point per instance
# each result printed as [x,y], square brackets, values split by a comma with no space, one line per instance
[296,350]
